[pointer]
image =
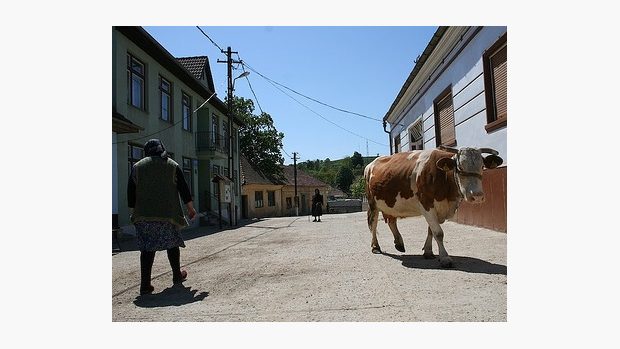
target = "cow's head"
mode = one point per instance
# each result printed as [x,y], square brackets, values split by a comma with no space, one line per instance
[468,164]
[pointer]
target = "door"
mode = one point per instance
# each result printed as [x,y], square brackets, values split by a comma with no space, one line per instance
[244,206]
[304,206]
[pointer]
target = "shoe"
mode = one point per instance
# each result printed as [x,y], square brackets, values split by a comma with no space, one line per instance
[314,220]
[146,289]
[181,278]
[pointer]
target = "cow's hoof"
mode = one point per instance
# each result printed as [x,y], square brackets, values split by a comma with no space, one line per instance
[376,250]
[428,255]
[400,248]
[445,262]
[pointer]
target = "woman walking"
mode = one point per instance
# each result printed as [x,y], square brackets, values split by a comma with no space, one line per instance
[153,192]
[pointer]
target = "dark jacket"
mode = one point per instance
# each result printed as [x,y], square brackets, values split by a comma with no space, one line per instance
[317,205]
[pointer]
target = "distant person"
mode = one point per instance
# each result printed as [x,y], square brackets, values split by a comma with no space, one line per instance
[317,205]
[153,192]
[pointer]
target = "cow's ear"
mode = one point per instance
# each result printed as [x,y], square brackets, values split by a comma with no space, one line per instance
[492,161]
[446,164]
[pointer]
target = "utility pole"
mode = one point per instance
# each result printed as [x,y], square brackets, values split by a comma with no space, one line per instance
[229,61]
[295,176]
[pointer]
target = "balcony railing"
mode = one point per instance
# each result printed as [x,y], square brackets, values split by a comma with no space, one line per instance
[209,141]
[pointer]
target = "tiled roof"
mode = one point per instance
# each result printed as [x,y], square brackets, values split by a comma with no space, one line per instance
[251,176]
[303,179]
[195,65]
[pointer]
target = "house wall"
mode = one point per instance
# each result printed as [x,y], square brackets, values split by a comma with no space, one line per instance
[114,175]
[464,76]
[266,210]
[176,140]
[461,72]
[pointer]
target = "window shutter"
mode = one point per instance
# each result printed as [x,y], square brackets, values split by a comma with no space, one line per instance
[499,68]
[445,112]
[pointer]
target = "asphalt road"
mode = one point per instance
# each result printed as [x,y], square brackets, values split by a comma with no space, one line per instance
[290,269]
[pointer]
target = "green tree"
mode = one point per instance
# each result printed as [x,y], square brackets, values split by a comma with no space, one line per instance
[358,188]
[357,160]
[344,178]
[259,140]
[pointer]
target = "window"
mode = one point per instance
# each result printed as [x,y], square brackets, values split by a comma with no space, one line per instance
[188,172]
[165,92]
[495,62]
[135,153]
[271,198]
[416,136]
[216,186]
[289,203]
[225,134]
[396,144]
[226,171]
[135,82]
[258,199]
[234,140]
[214,128]
[186,112]
[444,119]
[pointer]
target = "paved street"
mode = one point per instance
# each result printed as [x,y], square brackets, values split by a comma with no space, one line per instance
[290,269]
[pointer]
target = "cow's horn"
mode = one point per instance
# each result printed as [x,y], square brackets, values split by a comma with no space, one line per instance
[451,150]
[489,151]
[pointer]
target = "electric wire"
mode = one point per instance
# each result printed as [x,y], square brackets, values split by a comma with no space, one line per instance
[213,42]
[310,98]
[319,115]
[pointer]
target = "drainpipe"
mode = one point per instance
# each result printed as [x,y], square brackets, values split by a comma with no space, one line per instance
[388,132]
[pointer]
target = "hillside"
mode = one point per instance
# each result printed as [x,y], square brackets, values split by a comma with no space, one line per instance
[339,173]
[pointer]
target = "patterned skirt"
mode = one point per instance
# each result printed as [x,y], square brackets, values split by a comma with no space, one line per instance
[157,236]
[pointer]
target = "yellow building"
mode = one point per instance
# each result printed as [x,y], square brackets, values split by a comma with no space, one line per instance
[263,197]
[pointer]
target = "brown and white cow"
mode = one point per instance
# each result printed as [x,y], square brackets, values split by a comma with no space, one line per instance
[429,182]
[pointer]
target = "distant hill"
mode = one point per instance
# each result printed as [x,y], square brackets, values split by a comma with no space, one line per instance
[326,169]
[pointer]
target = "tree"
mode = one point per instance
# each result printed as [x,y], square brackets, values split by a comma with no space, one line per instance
[344,178]
[358,188]
[357,160]
[259,140]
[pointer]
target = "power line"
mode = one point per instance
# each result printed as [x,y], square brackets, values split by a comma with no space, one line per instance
[164,129]
[321,116]
[213,42]
[251,89]
[310,98]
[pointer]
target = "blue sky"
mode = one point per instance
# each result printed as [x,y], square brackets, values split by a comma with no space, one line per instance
[359,69]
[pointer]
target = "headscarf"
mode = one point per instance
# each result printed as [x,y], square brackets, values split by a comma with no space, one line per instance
[154,147]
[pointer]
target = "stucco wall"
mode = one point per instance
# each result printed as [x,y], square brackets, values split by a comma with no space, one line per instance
[465,77]
[176,140]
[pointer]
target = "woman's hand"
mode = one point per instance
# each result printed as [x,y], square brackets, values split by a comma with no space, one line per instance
[191,212]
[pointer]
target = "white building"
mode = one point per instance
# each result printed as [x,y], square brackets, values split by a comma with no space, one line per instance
[456,95]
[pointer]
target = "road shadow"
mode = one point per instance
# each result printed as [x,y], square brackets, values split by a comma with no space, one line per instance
[466,264]
[172,296]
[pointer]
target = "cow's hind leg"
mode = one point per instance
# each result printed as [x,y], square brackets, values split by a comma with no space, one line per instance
[398,239]
[428,245]
[373,215]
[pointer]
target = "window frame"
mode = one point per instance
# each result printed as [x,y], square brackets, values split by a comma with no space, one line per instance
[131,73]
[493,122]
[130,158]
[271,193]
[188,107]
[188,169]
[169,94]
[258,203]
[289,203]
[438,139]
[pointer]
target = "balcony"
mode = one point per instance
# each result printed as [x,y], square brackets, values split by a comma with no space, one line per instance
[211,145]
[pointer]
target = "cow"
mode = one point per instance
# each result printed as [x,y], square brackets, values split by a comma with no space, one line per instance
[431,183]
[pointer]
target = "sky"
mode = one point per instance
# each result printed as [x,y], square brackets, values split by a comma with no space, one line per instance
[358,69]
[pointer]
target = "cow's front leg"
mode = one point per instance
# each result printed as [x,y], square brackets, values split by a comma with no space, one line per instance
[373,215]
[428,245]
[398,239]
[431,218]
